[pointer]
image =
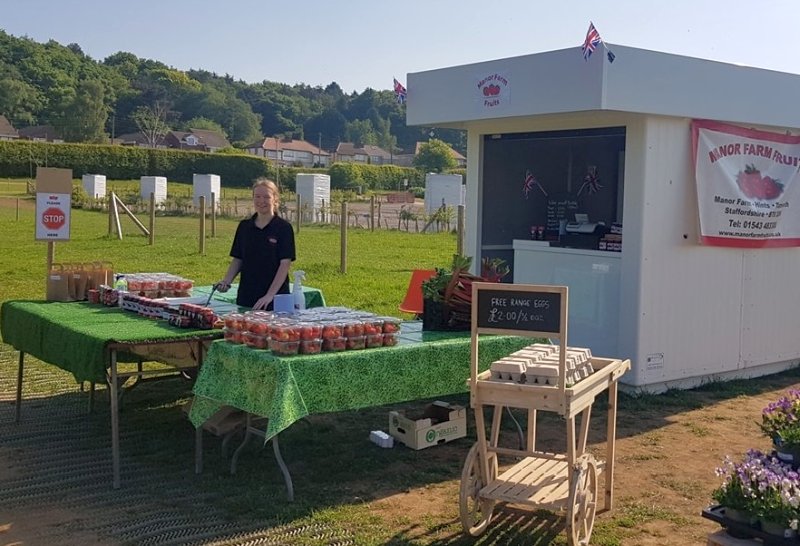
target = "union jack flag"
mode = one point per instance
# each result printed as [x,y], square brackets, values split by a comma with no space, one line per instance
[399,92]
[591,42]
[530,183]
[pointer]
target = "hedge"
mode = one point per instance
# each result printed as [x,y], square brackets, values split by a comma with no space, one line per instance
[18,159]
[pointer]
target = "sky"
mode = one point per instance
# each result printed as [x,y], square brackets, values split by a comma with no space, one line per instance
[360,43]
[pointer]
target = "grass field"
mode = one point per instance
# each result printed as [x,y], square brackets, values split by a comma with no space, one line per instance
[373,496]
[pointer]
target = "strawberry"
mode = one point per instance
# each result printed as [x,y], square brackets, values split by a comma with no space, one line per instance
[750,181]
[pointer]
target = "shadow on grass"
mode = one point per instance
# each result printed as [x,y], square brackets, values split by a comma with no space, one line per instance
[61,457]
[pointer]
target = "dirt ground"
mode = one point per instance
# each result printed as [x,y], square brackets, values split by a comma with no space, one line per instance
[665,461]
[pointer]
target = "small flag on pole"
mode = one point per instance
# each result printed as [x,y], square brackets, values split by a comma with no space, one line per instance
[592,41]
[399,92]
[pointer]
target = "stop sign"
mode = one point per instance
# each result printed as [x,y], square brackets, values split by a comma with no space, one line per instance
[53,218]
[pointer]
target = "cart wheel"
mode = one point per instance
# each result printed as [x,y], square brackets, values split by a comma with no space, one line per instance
[475,512]
[582,503]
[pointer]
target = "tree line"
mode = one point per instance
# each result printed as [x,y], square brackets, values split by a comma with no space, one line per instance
[91,101]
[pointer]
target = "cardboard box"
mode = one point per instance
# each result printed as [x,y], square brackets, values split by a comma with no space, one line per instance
[440,423]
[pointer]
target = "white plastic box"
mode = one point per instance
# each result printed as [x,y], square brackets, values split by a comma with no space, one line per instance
[157,185]
[94,185]
[443,189]
[315,193]
[205,185]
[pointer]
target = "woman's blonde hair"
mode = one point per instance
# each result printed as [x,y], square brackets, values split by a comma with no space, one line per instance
[272,188]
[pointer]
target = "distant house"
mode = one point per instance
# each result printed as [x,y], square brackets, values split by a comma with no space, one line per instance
[374,155]
[138,139]
[7,131]
[198,140]
[407,160]
[40,133]
[288,151]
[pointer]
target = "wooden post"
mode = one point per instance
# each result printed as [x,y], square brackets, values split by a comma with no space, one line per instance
[379,214]
[17,209]
[115,214]
[299,215]
[51,255]
[202,225]
[213,215]
[460,234]
[110,200]
[324,213]
[343,266]
[235,206]
[152,219]
[372,213]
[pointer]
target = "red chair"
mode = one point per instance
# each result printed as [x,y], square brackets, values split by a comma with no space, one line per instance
[413,300]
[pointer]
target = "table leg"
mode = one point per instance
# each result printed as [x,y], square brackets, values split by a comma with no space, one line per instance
[114,419]
[198,450]
[284,469]
[611,438]
[248,431]
[19,386]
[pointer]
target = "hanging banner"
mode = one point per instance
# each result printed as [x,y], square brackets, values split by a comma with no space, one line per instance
[747,189]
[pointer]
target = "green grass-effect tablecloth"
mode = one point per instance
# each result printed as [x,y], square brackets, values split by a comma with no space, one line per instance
[285,389]
[74,336]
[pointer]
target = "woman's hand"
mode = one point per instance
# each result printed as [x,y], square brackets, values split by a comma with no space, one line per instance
[223,286]
[263,302]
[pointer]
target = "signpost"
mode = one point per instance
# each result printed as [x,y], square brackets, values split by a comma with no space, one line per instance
[53,203]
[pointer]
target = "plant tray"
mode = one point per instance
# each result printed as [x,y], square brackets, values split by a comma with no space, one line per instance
[738,529]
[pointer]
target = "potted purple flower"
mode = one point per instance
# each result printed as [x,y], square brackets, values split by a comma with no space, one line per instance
[780,422]
[761,489]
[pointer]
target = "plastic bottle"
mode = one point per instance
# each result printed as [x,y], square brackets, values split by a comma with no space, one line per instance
[120,285]
[297,290]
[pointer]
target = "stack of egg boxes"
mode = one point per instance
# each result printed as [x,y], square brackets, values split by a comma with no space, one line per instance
[537,364]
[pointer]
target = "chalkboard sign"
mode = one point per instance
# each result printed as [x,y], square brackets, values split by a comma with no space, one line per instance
[519,310]
[562,206]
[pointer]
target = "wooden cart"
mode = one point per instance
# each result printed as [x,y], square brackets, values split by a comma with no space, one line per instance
[563,482]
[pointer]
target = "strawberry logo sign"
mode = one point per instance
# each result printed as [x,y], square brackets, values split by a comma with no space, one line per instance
[755,186]
[53,218]
[493,89]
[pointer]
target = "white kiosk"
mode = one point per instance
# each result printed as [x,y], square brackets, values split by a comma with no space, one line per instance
[563,153]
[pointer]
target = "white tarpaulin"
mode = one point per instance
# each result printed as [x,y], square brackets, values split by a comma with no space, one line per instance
[747,189]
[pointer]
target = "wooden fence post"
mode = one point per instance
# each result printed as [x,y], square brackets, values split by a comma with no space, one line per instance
[152,219]
[202,225]
[213,215]
[379,214]
[460,235]
[235,206]
[110,200]
[343,266]
[17,209]
[372,213]
[298,221]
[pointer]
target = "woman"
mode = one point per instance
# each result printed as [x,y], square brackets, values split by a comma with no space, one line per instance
[262,251]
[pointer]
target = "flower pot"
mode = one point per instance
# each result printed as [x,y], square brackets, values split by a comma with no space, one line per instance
[740,516]
[777,529]
[788,455]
